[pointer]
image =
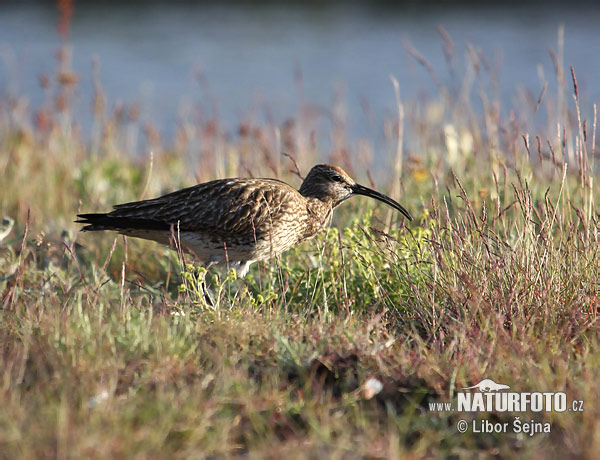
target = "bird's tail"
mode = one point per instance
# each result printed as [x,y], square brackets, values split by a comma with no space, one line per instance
[98,222]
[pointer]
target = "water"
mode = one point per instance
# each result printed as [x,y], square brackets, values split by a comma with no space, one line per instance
[238,59]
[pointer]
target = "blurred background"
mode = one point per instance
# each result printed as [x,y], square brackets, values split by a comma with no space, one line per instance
[167,63]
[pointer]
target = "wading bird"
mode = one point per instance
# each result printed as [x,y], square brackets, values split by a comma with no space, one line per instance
[238,221]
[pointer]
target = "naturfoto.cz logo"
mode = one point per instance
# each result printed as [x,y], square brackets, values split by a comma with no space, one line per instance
[492,397]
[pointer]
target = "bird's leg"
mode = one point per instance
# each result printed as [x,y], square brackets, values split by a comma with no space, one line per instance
[242,268]
[209,297]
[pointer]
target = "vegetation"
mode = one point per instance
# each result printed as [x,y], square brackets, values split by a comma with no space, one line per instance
[108,348]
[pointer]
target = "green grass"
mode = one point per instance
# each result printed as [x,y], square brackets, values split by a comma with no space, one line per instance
[109,350]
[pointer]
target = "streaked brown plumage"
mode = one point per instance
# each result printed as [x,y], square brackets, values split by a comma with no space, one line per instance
[237,220]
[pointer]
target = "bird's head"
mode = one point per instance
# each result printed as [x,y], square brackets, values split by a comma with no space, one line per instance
[333,184]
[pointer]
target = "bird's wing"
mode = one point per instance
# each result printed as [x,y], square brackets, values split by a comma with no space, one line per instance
[231,207]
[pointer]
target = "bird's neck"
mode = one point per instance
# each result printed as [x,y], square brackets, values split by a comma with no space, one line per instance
[319,213]
[312,193]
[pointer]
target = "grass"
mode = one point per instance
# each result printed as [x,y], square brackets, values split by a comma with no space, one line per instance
[108,349]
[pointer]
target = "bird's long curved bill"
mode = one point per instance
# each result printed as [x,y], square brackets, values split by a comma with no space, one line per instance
[365,191]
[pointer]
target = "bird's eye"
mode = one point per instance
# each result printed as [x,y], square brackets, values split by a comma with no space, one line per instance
[336,178]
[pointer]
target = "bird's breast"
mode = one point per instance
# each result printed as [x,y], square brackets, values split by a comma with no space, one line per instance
[318,214]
